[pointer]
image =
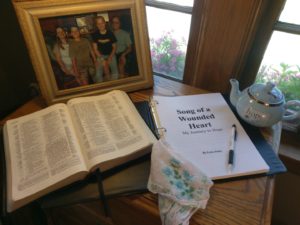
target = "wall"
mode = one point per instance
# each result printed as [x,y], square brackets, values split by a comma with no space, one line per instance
[286,206]
[16,72]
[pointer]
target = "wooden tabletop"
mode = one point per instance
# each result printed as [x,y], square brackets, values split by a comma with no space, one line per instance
[239,201]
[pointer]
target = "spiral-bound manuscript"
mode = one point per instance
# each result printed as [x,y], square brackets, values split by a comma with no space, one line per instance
[198,127]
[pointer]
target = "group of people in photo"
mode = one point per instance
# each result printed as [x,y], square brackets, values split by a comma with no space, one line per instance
[100,59]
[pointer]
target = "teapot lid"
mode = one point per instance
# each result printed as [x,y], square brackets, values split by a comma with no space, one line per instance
[266,94]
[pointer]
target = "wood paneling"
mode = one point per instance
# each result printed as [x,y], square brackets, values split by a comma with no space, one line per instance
[222,35]
[270,13]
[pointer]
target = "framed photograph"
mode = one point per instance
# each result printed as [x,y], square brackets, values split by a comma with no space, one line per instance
[86,47]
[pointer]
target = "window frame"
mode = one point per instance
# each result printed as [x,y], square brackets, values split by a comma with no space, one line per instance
[171,7]
[261,19]
[287,27]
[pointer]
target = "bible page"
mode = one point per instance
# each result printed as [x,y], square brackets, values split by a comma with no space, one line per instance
[109,127]
[41,150]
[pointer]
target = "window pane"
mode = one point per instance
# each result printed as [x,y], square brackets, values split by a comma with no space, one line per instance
[281,64]
[180,2]
[168,40]
[290,13]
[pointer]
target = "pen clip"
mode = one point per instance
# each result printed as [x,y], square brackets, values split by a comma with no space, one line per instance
[235,132]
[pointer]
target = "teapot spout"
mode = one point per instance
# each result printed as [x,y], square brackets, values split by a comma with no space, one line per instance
[235,92]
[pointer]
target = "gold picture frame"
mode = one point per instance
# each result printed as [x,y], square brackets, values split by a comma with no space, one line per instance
[41,21]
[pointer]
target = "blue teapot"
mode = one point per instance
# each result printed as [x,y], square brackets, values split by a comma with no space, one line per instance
[261,105]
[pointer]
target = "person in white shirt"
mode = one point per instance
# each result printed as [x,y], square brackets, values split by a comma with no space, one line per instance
[124,45]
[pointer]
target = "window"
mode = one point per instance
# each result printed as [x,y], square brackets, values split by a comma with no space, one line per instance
[281,62]
[169,27]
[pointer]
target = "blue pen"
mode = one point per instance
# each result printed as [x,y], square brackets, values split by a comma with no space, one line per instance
[233,137]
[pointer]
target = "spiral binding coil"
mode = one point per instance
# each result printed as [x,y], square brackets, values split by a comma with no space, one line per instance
[159,129]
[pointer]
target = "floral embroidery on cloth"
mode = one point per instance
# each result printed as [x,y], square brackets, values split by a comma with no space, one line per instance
[182,187]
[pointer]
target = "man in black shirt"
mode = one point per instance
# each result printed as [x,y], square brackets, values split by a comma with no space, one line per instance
[104,46]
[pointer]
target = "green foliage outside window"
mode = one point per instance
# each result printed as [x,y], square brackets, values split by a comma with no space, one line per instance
[167,55]
[286,77]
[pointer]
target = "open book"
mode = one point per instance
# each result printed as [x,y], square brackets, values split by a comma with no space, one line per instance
[62,143]
[199,128]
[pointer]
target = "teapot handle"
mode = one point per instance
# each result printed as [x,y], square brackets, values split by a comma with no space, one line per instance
[295,114]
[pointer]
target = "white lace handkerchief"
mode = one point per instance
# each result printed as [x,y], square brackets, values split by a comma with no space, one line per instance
[181,187]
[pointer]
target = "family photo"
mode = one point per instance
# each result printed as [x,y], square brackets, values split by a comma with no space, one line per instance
[90,48]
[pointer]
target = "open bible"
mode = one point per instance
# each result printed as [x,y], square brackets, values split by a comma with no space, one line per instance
[62,143]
